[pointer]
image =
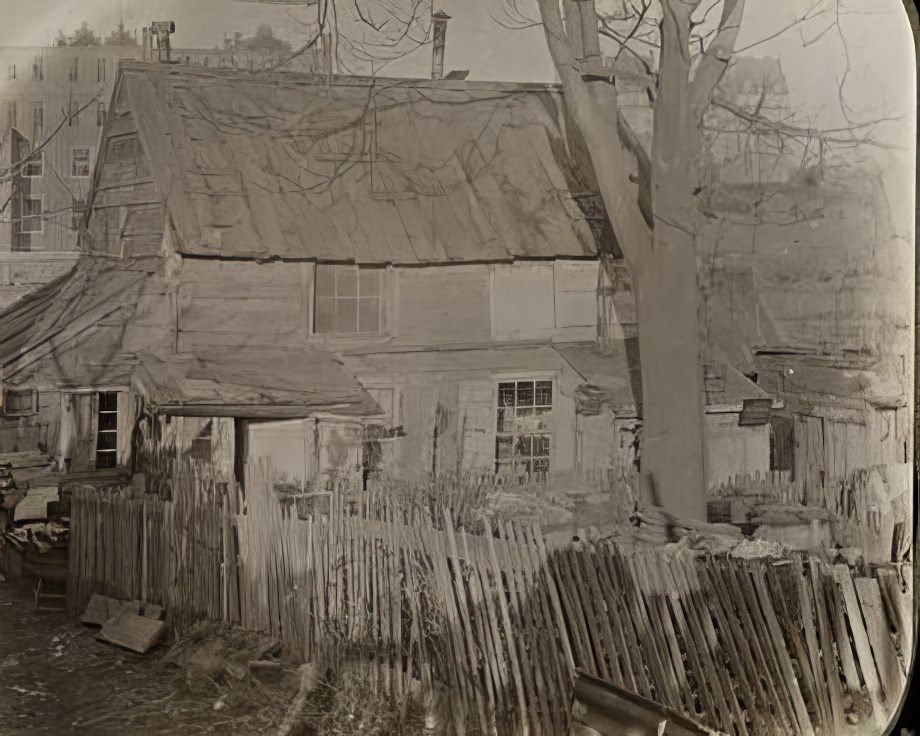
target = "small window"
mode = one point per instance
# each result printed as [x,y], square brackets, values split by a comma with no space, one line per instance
[79,168]
[38,71]
[200,448]
[524,428]
[782,442]
[32,215]
[11,115]
[100,70]
[38,123]
[12,71]
[18,403]
[35,166]
[107,430]
[100,114]
[74,73]
[348,300]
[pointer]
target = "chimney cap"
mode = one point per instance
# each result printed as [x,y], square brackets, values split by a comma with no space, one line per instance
[440,15]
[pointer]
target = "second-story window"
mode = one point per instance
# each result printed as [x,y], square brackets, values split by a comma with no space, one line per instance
[35,166]
[79,166]
[38,122]
[348,300]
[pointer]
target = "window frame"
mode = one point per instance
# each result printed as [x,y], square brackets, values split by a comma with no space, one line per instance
[23,218]
[113,451]
[509,464]
[335,299]
[22,413]
[36,158]
[89,159]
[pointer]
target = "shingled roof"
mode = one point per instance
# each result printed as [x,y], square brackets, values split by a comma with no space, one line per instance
[260,165]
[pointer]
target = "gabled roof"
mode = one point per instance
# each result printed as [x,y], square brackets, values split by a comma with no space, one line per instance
[252,384]
[262,165]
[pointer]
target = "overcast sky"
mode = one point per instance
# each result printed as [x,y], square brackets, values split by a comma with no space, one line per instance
[875,31]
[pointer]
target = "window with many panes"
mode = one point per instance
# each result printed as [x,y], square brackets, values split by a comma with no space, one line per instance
[79,165]
[348,300]
[107,430]
[35,166]
[524,427]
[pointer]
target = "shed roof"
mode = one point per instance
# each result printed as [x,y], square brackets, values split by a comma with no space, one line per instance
[613,371]
[260,165]
[253,384]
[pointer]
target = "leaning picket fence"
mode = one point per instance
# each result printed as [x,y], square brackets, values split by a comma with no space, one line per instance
[404,593]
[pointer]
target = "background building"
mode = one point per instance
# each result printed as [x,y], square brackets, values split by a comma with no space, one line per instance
[55,96]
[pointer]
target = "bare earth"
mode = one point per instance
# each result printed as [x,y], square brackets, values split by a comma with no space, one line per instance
[55,678]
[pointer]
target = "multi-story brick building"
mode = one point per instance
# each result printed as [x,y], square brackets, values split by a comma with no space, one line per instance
[53,99]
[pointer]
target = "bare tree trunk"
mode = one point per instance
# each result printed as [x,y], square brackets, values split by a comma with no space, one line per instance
[667,291]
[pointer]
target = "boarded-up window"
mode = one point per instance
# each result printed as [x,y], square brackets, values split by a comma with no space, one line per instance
[18,403]
[444,304]
[524,427]
[107,430]
[348,300]
[522,296]
[782,443]
[79,167]
[576,294]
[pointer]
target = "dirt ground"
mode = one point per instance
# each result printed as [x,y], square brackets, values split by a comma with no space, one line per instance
[55,678]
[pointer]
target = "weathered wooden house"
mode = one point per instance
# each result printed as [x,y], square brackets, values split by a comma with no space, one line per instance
[370,276]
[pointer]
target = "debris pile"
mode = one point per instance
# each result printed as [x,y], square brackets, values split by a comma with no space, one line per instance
[133,625]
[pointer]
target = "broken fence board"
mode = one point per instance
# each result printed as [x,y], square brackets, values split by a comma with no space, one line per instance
[886,658]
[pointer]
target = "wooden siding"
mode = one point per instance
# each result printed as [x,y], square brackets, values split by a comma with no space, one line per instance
[129,216]
[444,304]
[733,450]
[291,446]
[36,432]
[523,299]
[238,304]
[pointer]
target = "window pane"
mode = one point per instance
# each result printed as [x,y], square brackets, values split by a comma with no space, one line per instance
[370,281]
[542,419]
[105,460]
[108,401]
[369,315]
[506,394]
[325,315]
[346,315]
[506,420]
[525,393]
[544,393]
[325,280]
[522,447]
[541,466]
[503,447]
[540,446]
[525,420]
[108,421]
[107,441]
[346,281]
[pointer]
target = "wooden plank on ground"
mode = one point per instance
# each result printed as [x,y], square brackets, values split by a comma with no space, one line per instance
[886,658]
[779,647]
[861,641]
[134,632]
[828,657]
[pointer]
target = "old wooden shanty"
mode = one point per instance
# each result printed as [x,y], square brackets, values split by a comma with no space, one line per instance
[368,276]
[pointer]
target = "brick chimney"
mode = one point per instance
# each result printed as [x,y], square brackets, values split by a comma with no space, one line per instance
[439,20]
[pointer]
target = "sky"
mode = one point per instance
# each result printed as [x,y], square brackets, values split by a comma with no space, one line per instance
[876,35]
